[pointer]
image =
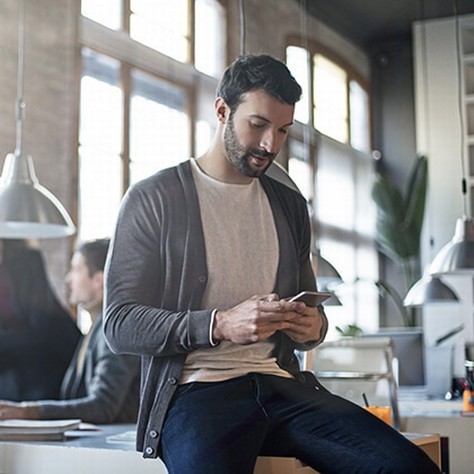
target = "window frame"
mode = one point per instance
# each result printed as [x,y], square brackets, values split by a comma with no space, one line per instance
[312,140]
[315,47]
[132,55]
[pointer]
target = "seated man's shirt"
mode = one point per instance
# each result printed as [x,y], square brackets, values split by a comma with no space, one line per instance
[242,257]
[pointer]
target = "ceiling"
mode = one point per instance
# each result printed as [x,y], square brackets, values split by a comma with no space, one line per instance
[369,22]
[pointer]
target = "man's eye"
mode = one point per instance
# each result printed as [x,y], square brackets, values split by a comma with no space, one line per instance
[257,124]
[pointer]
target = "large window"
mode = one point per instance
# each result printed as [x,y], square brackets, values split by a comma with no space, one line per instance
[189,31]
[330,163]
[132,124]
[159,125]
[335,101]
[100,145]
[138,112]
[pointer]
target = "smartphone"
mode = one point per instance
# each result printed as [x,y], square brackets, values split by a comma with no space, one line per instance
[311,298]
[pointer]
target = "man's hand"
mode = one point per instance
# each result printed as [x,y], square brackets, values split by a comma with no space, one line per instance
[259,317]
[307,326]
[21,411]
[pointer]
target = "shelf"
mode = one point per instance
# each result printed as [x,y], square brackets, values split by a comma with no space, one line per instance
[469,80]
[467,36]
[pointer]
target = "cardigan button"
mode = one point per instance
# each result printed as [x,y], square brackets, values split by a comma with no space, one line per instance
[172,381]
[202,279]
[153,434]
[149,450]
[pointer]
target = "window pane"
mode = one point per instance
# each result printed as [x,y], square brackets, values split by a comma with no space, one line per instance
[298,169]
[162,25]
[100,192]
[346,217]
[209,36]
[105,12]
[330,99]
[359,118]
[297,60]
[100,137]
[204,134]
[159,126]
[335,197]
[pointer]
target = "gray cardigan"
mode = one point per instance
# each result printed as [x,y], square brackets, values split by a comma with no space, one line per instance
[156,275]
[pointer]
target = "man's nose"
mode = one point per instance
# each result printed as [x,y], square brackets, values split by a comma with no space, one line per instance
[270,142]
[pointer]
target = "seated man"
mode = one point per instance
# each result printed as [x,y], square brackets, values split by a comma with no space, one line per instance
[203,258]
[99,386]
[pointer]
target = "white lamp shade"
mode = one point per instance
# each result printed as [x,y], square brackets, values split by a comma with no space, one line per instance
[457,256]
[27,209]
[428,290]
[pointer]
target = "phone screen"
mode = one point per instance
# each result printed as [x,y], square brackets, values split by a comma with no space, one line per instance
[311,298]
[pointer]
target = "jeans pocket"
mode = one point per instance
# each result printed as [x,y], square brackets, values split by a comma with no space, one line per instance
[185,388]
[308,379]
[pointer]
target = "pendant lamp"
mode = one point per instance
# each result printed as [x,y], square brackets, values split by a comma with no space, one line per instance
[27,209]
[457,256]
[430,290]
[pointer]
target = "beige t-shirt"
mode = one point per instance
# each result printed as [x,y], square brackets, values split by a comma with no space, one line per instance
[242,257]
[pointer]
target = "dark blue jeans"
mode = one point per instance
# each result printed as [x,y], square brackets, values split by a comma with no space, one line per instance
[221,428]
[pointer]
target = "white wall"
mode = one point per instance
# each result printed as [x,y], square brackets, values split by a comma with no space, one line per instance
[439,137]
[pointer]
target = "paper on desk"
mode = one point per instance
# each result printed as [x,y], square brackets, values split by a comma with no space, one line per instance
[127,437]
[84,429]
[36,430]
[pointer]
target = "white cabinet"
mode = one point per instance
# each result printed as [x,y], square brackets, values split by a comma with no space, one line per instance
[467,55]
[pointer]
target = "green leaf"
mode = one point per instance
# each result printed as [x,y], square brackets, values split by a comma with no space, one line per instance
[399,218]
[395,239]
[416,198]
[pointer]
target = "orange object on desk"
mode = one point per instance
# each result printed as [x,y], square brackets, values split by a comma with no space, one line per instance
[468,400]
[382,412]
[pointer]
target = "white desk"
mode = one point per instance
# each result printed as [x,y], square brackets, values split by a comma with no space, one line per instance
[112,451]
[87,454]
[443,417]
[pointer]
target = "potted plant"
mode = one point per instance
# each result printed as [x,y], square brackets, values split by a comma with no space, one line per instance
[398,229]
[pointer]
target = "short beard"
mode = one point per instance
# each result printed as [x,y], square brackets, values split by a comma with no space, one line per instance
[238,156]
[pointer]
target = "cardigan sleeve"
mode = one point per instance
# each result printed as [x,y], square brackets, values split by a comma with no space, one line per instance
[155,272]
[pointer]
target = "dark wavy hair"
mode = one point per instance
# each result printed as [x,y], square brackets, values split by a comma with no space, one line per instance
[251,72]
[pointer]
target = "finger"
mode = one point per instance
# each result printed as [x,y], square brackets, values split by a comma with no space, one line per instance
[270,297]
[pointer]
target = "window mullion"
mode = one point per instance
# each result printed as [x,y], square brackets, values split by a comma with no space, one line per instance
[191,31]
[126,12]
[126,88]
[348,109]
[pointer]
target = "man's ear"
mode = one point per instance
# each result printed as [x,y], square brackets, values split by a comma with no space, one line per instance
[98,279]
[222,110]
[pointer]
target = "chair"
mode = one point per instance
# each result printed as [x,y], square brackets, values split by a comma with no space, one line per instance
[351,367]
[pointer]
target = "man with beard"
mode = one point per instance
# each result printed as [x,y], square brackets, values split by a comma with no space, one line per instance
[203,258]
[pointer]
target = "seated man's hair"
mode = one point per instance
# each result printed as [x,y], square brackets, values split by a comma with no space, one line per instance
[95,254]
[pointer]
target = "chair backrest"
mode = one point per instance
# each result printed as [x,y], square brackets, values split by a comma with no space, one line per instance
[351,367]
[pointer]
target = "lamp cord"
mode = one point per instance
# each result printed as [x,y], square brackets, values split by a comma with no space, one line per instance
[304,42]
[242,26]
[426,111]
[20,104]
[460,105]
